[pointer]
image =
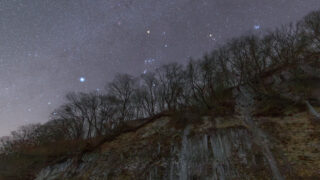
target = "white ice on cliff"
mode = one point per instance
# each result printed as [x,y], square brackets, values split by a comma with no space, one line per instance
[215,154]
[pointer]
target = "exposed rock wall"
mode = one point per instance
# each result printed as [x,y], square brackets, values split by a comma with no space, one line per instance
[235,147]
[245,106]
[214,149]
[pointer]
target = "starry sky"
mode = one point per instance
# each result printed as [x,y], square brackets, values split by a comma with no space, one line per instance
[48,48]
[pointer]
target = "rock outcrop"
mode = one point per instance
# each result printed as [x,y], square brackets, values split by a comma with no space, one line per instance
[234,147]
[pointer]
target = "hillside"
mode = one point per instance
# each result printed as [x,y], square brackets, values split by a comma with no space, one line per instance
[206,148]
[190,146]
[249,110]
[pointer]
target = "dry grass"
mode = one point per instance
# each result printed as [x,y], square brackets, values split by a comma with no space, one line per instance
[297,144]
[28,160]
[277,106]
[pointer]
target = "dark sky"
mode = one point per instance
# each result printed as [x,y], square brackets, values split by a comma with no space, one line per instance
[50,47]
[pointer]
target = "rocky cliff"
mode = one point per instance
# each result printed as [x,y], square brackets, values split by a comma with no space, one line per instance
[189,146]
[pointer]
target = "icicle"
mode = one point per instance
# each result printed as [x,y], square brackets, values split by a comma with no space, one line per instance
[245,103]
[313,111]
[159,148]
[183,159]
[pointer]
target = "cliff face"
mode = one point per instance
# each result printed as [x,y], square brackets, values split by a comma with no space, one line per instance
[210,150]
[295,140]
[235,147]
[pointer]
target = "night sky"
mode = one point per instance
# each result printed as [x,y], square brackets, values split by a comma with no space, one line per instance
[51,47]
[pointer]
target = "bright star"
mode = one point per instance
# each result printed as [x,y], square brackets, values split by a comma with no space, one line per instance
[82,79]
[148,31]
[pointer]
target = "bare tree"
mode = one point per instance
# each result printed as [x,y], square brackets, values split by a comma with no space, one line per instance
[85,115]
[53,131]
[122,89]
[196,85]
[207,78]
[108,111]
[70,120]
[6,145]
[311,29]
[170,86]
[146,95]
[287,46]
[23,137]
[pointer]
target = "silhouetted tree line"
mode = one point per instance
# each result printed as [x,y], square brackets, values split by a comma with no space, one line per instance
[172,87]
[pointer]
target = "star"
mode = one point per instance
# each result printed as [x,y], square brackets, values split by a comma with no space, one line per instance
[82,79]
[211,37]
[256,27]
[148,31]
[149,61]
